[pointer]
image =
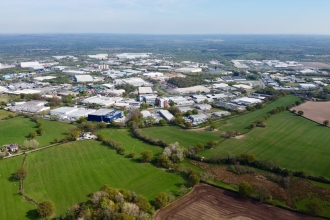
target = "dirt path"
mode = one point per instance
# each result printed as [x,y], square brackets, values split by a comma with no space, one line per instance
[207,202]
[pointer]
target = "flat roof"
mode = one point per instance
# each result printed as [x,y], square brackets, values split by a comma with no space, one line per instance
[102,111]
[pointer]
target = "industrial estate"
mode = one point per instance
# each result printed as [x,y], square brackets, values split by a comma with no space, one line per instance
[115,134]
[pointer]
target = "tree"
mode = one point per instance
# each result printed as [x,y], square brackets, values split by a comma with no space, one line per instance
[211,144]
[193,179]
[40,130]
[143,203]
[146,156]
[46,209]
[300,113]
[326,122]
[315,208]
[161,200]
[21,173]
[195,111]
[245,189]
[32,134]
[162,122]
[163,161]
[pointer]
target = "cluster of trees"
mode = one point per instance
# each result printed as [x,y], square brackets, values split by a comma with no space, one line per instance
[186,82]
[193,177]
[230,134]
[29,144]
[111,203]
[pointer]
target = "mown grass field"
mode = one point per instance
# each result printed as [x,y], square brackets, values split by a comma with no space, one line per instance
[243,122]
[130,143]
[288,140]
[12,205]
[16,130]
[186,138]
[4,114]
[67,174]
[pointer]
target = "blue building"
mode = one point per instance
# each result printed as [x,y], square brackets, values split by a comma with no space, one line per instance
[105,115]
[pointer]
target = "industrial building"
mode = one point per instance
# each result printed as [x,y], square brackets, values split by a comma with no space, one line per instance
[83,78]
[180,101]
[203,107]
[71,113]
[306,86]
[185,108]
[105,115]
[102,100]
[221,113]
[153,74]
[132,56]
[162,102]
[188,70]
[29,64]
[29,107]
[132,81]
[246,101]
[197,119]
[166,115]
[149,99]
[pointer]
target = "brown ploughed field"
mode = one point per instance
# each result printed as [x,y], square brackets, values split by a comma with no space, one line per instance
[211,203]
[315,111]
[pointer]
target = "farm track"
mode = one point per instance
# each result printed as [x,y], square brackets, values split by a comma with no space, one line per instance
[207,202]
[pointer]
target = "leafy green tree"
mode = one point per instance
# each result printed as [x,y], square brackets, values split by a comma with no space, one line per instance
[163,161]
[195,111]
[32,134]
[245,189]
[21,173]
[143,203]
[146,156]
[161,200]
[193,179]
[46,209]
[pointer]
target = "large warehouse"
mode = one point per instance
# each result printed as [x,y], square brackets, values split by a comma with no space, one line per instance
[105,115]
[71,113]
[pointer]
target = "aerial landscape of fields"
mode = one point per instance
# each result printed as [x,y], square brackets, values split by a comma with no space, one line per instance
[163,110]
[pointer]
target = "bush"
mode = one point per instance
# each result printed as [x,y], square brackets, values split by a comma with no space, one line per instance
[163,161]
[146,156]
[245,189]
[161,200]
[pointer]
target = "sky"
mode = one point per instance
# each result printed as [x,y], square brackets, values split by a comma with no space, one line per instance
[166,16]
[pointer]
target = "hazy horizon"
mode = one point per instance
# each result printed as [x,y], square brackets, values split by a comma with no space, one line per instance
[166,17]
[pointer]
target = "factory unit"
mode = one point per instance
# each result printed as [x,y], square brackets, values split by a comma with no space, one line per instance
[105,115]
[29,107]
[101,100]
[197,119]
[166,114]
[149,99]
[71,113]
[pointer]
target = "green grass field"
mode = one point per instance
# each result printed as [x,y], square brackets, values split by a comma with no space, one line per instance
[243,122]
[16,130]
[4,114]
[288,140]
[171,134]
[66,174]
[130,143]
[12,205]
